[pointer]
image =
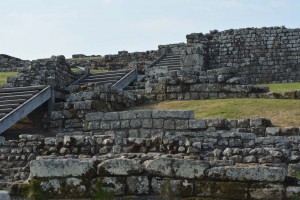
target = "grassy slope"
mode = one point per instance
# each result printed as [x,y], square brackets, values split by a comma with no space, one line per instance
[282,87]
[281,112]
[4,75]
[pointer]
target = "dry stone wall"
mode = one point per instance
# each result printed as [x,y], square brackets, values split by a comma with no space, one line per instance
[40,70]
[187,85]
[168,153]
[12,64]
[262,55]
[122,60]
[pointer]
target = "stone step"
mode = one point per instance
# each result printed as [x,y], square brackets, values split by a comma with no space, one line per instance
[14,101]
[102,82]
[20,89]
[15,97]
[9,106]
[5,110]
[169,62]
[109,74]
[172,58]
[19,93]
[170,65]
[174,67]
[102,79]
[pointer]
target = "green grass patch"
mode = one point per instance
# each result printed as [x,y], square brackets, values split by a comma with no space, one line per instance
[282,112]
[4,75]
[282,87]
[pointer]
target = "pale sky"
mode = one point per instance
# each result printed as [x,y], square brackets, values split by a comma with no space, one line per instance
[32,29]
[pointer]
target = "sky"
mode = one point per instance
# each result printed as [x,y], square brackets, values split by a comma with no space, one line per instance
[32,29]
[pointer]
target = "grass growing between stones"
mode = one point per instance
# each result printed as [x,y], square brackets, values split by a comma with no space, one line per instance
[282,112]
[282,87]
[4,75]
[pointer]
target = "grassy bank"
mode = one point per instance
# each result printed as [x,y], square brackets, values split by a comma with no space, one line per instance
[282,87]
[281,112]
[4,75]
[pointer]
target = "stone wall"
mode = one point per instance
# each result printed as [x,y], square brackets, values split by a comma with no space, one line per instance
[187,85]
[122,60]
[90,98]
[262,55]
[168,153]
[40,70]
[12,64]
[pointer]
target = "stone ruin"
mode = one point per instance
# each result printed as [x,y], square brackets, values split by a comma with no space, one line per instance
[102,149]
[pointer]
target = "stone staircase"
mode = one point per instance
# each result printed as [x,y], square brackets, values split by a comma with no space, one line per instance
[104,78]
[171,61]
[17,102]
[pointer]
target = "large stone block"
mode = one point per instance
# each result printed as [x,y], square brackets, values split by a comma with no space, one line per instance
[115,185]
[137,185]
[197,124]
[248,173]
[172,188]
[266,191]
[185,114]
[182,168]
[120,166]
[223,190]
[94,116]
[293,192]
[60,167]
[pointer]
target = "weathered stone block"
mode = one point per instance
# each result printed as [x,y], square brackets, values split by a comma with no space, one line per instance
[197,124]
[115,185]
[172,188]
[158,123]
[127,115]
[137,185]
[147,123]
[83,105]
[258,122]
[111,116]
[218,123]
[120,166]
[272,131]
[293,192]
[60,167]
[248,173]
[94,116]
[266,191]
[169,124]
[181,168]
[135,123]
[223,190]
[185,114]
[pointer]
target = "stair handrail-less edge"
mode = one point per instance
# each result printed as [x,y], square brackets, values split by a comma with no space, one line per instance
[25,108]
[125,80]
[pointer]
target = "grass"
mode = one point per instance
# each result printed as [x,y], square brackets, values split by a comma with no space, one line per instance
[93,71]
[4,75]
[282,87]
[282,112]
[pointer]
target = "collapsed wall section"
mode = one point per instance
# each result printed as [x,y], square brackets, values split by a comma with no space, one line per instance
[122,60]
[40,70]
